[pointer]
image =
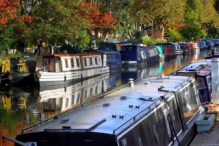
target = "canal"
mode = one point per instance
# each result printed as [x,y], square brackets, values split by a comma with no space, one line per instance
[24,106]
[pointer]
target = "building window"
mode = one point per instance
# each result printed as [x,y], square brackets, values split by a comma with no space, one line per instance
[90,61]
[72,63]
[85,61]
[66,63]
[77,60]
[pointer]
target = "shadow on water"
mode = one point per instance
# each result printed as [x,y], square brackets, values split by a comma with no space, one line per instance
[21,107]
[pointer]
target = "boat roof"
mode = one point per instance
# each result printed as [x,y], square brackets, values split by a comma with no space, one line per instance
[200,67]
[68,55]
[125,104]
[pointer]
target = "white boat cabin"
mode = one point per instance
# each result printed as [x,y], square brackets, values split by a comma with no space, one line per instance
[66,62]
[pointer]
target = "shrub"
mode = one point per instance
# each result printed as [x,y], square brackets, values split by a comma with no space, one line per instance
[175,35]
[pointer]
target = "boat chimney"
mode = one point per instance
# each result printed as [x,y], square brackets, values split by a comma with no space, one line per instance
[131,82]
[215,77]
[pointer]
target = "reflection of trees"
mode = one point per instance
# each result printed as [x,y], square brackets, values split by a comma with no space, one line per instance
[13,121]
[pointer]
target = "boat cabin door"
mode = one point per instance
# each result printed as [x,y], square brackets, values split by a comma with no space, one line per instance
[203,89]
[49,64]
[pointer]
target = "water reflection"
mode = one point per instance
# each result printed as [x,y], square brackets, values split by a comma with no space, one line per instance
[20,107]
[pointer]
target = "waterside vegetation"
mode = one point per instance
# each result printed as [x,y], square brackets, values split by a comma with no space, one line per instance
[82,23]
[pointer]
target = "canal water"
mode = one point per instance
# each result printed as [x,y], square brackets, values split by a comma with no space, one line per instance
[23,106]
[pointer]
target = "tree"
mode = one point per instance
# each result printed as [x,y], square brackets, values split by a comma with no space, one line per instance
[11,19]
[100,22]
[157,13]
[210,15]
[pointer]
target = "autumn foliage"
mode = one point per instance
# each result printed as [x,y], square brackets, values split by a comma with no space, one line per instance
[9,11]
[97,18]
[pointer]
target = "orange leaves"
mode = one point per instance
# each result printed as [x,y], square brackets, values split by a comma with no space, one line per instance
[97,18]
[8,10]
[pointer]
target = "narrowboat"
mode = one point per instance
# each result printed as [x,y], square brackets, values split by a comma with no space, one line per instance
[216,42]
[155,111]
[17,71]
[209,43]
[137,55]
[113,58]
[197,48]
[53,69]
[201,71]
[184,46]
[179,51]
[202,44]
[191,47]
[115,45]
[168,48]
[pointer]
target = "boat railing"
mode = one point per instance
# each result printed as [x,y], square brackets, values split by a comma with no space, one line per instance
[136,118]
[75,107]
[13,140]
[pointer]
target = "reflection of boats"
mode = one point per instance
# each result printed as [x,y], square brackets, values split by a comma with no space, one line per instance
[201,70]
[17,71]
[60,98]
[55,69]
[155,111]
[17,98]
[142,72]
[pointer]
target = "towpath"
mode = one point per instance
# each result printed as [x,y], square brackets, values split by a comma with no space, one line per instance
[210,138]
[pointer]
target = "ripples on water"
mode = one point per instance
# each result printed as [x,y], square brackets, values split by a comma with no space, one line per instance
[21,107]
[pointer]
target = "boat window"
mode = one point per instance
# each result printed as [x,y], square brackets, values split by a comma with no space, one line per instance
[90,61]
[66,63]
[85,62]
[77,60]
[151,52]
[85,94]
[52,65]
[45,63]
[91,91]
[109,56]
[72,99]
[66,104]
[200,82]
[143,54]
[72,63]
[78,98]
[96,60]
[96,91]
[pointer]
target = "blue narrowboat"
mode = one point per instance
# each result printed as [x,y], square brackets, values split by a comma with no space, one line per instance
[137,55]
[202,45]
[216,42]
[201,70]
[209,43]
[112,51]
